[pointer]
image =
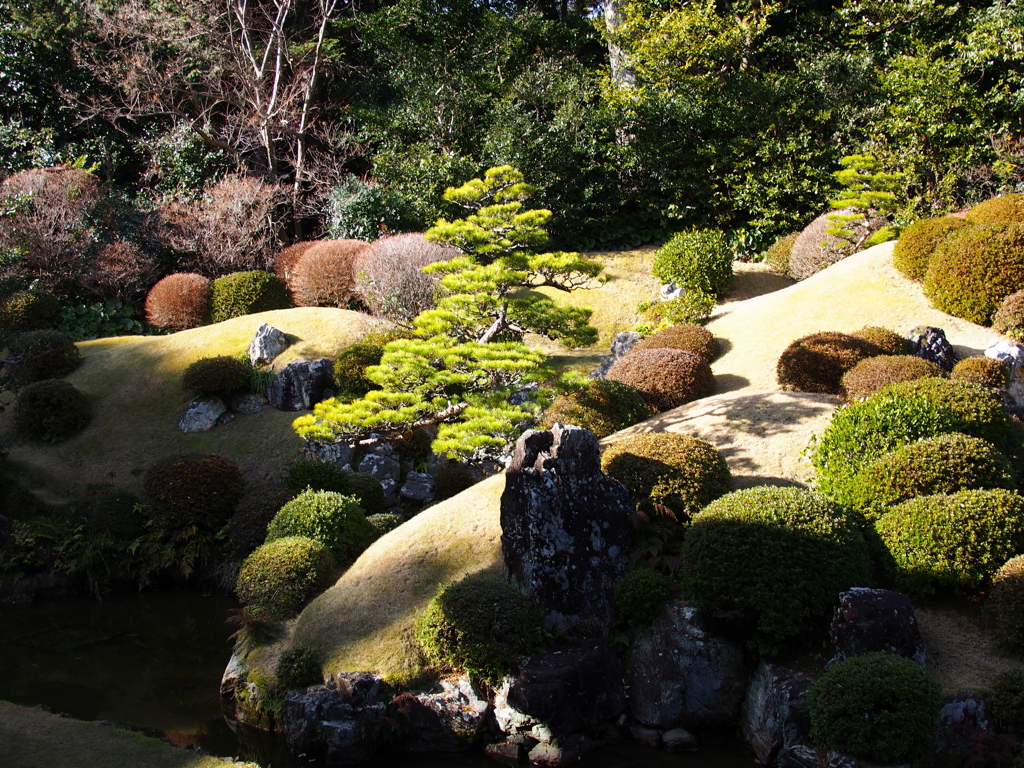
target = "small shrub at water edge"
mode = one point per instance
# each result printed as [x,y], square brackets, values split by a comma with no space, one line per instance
[277,580]
[338,522]
[194,489]
[298,668]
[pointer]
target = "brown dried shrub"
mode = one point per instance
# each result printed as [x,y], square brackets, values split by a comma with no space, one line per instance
[666,378]
[870,375]
[817,363]
[287,258]
[813,249]
[692,338]
[179,301]
[122,269]
[390,277]
[325,275]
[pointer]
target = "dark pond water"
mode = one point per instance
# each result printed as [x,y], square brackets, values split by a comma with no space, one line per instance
[153,662]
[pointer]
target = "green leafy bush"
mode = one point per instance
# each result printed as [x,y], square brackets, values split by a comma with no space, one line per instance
[350,368]
[818,362]
[368,490]
[277,580]
[1005,209]
[246,293]
[298,668]
[1005,701]
[603,406]
[384,522]
[99,320]
[669,473]
[50,410]
[873,373]
[219,376]
[251,518]
[918,242]
[984,371]
[315,475]
[666,378]
[940,464]
[28,310]
[338,522]
[900,414]
[480,625]
[453,479]
[890,342]
[878,706]
[777,256]
[955,541]
[1005,604]
[364,211]
[692,307]
[188,489]
[882,235]
[686,336]
[696,260]
[975,269]
[38,355]
[640,596]
[1009,318]
[772,562]
[178,302]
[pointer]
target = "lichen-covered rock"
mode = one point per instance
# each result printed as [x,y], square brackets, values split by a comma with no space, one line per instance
[774,711]
[566,533]
[623,342]
[450,721]
[384,470]
[247,403]
[267,344]
[202,414]
[869,620]
[418,487]
[931,344]
[336,453]
[301,385]
[678,674]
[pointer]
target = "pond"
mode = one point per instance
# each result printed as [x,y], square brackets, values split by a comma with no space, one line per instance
[153,661]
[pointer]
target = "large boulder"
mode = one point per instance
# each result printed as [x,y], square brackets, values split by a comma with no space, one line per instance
[202,414]
[566,531]
[678,674]
[301,385]
[774,712]
[267,344]
[452,720]
[869,620]
[931,344]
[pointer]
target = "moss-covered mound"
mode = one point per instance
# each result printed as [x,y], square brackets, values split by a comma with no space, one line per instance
[1005,209]
[282,576]
[338,522]
[667,378]
[603,406]
[870,375]
[686,336]
[918,242]
[817,363]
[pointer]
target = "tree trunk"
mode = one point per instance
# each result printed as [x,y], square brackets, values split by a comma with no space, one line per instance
[622,70]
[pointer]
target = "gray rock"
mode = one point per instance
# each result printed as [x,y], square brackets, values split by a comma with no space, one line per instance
[679,675]
[679,740]
[336,453]
[774,712]
[621,345]
[267,344]
[641,734]
[868,620]
[965,732]
[560,753]
[566,533]
[386,471]
[225,418]
[507,753]
[300,385]
[525,394]
[931,344]
[419,487]
[449,721]
[671,291]
[1012,356]
[802,756]
[247,404]
[201,415]
[303,716]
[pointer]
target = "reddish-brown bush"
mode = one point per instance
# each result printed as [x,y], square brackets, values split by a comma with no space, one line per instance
[325,275]
[122,269]
[692,338]
[666,378]
[390,277]
[286,258]
[870,375]
[179,301]
[817,363]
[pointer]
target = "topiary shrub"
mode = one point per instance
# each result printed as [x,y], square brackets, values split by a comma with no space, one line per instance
[1009,318]
[697,260]
[873,373]
[817,363]
[246,293]
[368,490]
[814,249]
[178,302]
[1005,209]
[390,276]
[879,706]
[984,371]
[324,276]
[1005,604]
[338,522]
[188,489]
[692,307]
[384,522]
[772,561]
[955,541]
[640,596]
[28,310]
[687,336]
[777,256]
[219,376]
[252,516]
[315,475]
[38,355]
[480,625]
[861,432]
[453,479]
[678,473]
[603,406]
[287,258]
[1005,701]
[51,411]
[277,580]
[917,243]
[298,668]
[350,368]
[940,464]
[890,342]
[666,378]
[975,269]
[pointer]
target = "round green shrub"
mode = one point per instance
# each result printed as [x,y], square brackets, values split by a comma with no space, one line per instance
[692,307]
[350,368]
[1005,209]
[453,479]
[940,464]
[873,373]
[975,269]
[918,242]
[384,522]
[696,260]
[878,706]
[315,475]
[50,410]
[881,235]
[246,293]
[38,355]
[861,432]
[686,336]
[1005,701]
[338,522]
[251,518]
[983,371]
[28,310]
[890,342]
[777,256]
[666,378]
[1009,318]
[480,625]
[298,668]
[219,376]
[640,596]
[187,489]
[955,541]
[663,469]
[1005,603]
[277,580]
[772,562]
[817,363]
[603,406]
[368,490]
